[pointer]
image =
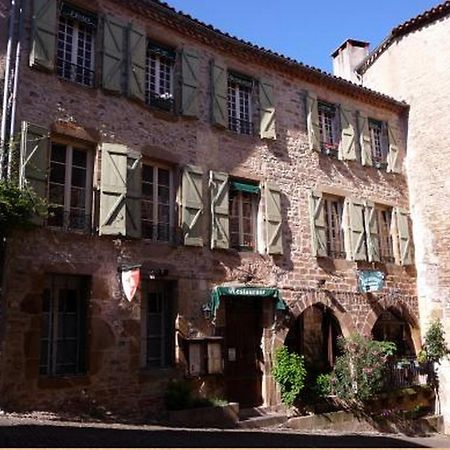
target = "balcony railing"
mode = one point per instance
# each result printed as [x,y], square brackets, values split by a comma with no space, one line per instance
[408,372]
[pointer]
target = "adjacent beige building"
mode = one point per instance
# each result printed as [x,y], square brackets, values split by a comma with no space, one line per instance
[413,65]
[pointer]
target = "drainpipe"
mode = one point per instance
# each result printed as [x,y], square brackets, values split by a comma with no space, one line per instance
[6,87]
[14,93]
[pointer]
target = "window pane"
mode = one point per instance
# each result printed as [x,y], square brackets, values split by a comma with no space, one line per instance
[79,158]
[56,194]
[57,173]
[61,344]
[58,153]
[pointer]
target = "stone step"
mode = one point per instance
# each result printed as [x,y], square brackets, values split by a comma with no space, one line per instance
[345,421]
[258,411]
[263,421]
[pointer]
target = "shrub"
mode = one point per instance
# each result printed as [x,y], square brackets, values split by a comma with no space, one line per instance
[435,345]
[18,206]
[179,395]
[324,385]
[289,372]
[359,372]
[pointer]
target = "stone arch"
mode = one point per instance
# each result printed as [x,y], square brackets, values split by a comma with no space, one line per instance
[307,299]
[399,306]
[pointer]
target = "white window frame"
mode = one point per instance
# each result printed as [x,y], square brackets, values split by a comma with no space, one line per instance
[333,242]
[331,147]
[383,138]
[68,184]
[241,102]
[156,167]
[254,217]
[75,50]
[149,92]
[379,210]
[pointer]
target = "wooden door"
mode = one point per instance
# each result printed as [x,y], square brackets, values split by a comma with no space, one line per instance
[243,352]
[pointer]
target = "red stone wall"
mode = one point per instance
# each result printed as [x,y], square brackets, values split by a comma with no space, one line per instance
[114,377]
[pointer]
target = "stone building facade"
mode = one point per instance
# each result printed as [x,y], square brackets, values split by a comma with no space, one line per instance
[249,192]
[412,65]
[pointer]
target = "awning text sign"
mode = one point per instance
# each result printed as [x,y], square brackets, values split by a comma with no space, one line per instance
[370,280]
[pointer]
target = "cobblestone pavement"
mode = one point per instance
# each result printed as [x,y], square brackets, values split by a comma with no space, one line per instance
[17,431]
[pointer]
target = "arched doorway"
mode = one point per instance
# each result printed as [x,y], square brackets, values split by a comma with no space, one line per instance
[314,335]
[391,326]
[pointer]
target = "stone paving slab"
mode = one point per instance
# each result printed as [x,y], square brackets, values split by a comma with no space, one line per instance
[19,431]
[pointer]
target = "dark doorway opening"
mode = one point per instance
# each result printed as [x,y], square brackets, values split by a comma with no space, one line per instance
[391,326]
[243,352]
[314,335]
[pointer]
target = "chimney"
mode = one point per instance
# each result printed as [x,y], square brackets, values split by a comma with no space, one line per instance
[347,57]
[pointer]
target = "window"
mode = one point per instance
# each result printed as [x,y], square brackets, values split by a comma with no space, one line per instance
[70,187]
[75,54]
[334,233]
[243,199]
[158,333]
[204,356]
[329,128]
[157,203]
[240,104]
[384,218]
[159,77]
[63,340]
[379,142]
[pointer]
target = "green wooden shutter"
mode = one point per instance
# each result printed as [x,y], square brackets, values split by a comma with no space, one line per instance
[219,210]
[404,238]
[266,101]
[372,237]
[393,158]
[43,45]
[189,71]
[312,118]
[347,147]
[34,161]
[354,230]
[273,219]
[134,194]
[219,91]
[113,54]
[364,140]
[136,62]
[113,189]
[192,206]
[318,224]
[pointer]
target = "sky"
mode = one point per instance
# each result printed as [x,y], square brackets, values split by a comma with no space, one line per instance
[308,31]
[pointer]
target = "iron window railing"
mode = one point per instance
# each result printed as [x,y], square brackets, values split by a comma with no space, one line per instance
[76,73]
[240,126]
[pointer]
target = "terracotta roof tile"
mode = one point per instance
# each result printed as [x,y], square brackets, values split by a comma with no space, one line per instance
[318,74]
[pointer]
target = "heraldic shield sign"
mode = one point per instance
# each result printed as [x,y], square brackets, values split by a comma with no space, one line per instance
[130,277]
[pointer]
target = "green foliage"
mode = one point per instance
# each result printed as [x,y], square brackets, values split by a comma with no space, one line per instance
[179,396]
[435,345]
[290,373]
[359,372]
[19,206]
[324,385]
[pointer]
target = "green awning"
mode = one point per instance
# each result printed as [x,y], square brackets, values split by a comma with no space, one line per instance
[244,291]
[244,187]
